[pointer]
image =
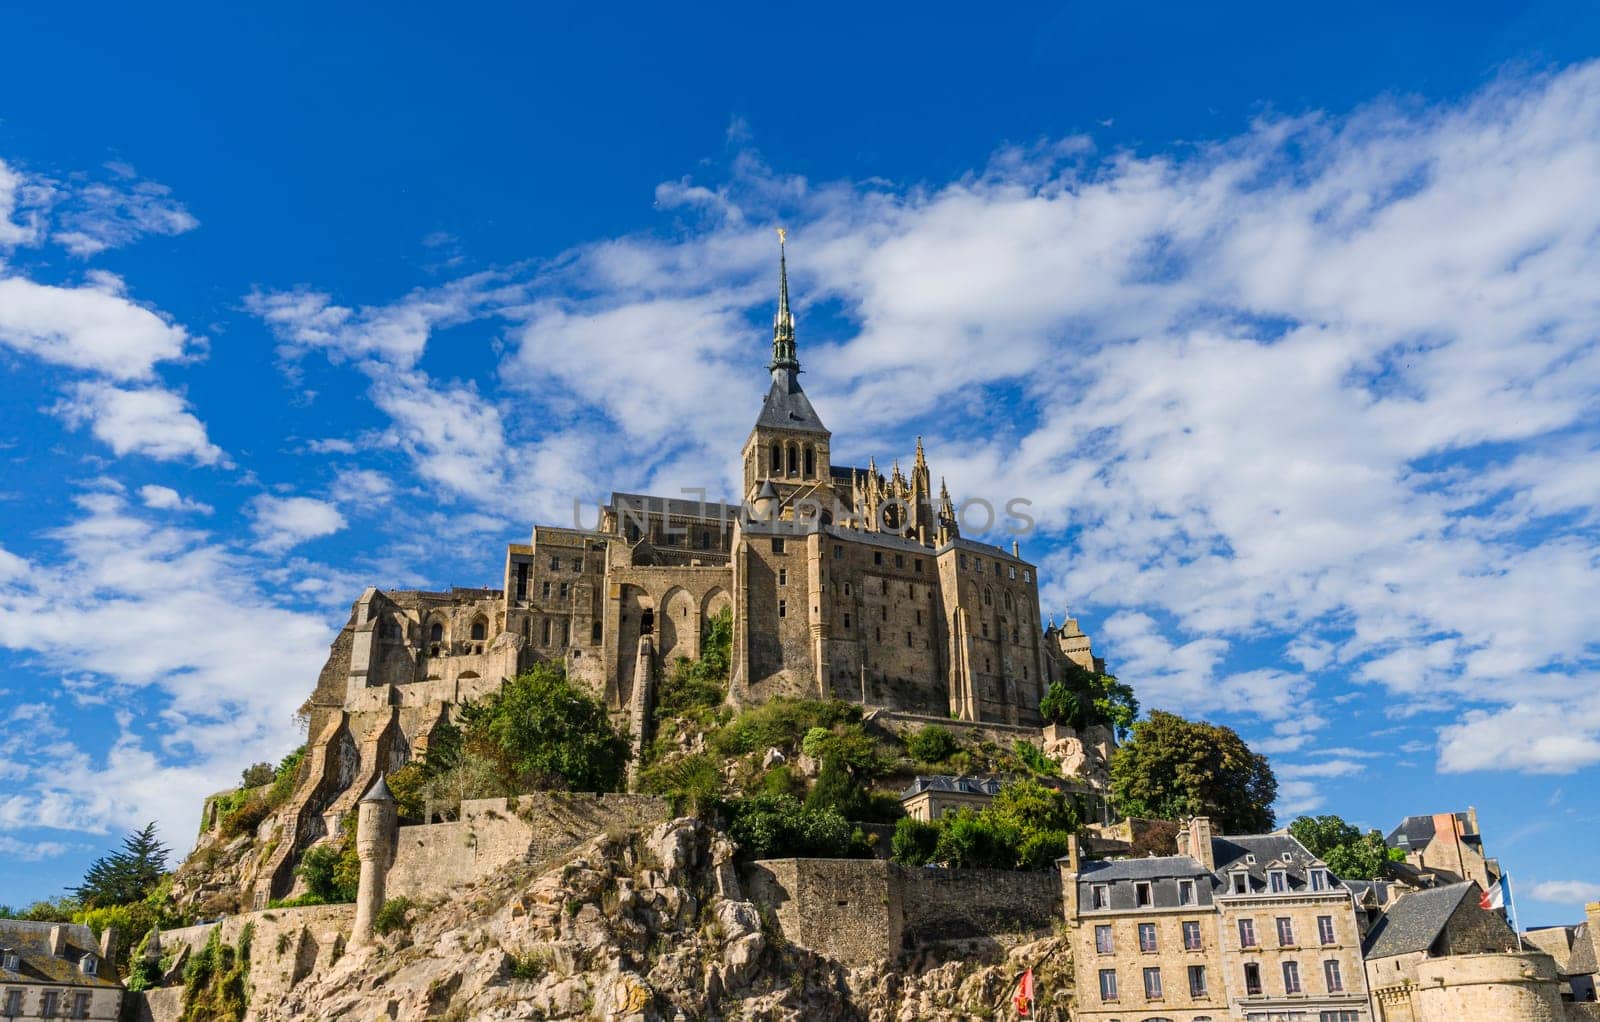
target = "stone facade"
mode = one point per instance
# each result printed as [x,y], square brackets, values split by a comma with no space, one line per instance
[1238,927]
[841,581]
[866,911]
[57,970]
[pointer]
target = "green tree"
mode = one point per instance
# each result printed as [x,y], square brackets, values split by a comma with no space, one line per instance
[126,876]
[780,826]
[932,744]
[1171,768]
[541,731]
[1348,852]
[1084,698]
[914,841]
[257,774]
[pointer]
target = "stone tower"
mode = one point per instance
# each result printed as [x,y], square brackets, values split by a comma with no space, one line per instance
[376,825]
[788,448]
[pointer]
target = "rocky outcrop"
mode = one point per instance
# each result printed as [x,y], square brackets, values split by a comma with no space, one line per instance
[637,925]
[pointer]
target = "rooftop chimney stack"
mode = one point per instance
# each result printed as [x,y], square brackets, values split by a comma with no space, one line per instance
[1200,842]
[58,940]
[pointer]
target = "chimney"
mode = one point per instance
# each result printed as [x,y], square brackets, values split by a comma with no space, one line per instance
[1183,840]
[108,944]
[1069,865]
[1472,820]
[1200,842]
[58,940]
[1591,912]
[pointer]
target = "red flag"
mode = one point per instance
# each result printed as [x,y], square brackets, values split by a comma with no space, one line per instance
[1023,1000]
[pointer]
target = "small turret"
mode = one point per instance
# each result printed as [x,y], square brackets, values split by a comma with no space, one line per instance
[376,825]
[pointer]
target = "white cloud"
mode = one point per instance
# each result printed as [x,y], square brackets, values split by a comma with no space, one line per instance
[1296,798]
[1545,739]
[150,421]
[12,187]
[1276,393]
[1565,891]
[284,522]
[165,498]
[175,620]
[102,215]
[91,328]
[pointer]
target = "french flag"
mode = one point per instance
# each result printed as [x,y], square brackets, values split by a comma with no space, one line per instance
[1494,897]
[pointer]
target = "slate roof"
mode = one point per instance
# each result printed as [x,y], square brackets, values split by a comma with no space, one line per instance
[944,782]
[710,510]
[30,941]
[1271,851]
[787,407]
[1156,867]
[1416,831]
[1582,962]
[1415,921]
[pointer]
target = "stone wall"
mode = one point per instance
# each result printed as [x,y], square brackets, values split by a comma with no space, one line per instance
[432,858]
[1002,906]
[844,909]
[857,911]
[1507,987]
[286,945]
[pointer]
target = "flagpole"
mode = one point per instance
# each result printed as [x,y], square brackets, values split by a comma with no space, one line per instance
[1511,907]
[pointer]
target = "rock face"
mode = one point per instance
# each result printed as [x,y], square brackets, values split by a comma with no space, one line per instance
[638,926]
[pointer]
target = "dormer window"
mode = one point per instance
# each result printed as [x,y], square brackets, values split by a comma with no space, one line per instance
[1186,892]
[10,960]
[1277,881]
[1100,896]
[1141,895]
[88,965]
[1319,880]
[1241,882]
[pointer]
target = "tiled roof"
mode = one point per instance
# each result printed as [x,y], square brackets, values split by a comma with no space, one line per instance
[30,941]
[1415,921]
[1257,853]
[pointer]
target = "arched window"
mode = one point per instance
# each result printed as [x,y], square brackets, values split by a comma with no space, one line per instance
[776,467]
[811,461]
[1008,601]
[988,597]
[647,622]
[547,631]
[480,629]
[794,459]
[436,632]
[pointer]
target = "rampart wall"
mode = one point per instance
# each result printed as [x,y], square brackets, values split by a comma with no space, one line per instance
[858,911]
[432,858]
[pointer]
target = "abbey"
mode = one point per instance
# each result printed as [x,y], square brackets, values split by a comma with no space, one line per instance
[841,582]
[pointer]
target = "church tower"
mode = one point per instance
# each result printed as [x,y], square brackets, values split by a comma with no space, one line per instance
[788,448]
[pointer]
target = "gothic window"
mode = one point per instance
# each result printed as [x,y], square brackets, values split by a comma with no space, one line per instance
[1008,601]
[436,632]
[988,597]
[794,459]
[480,629]
[777,461]
[548,630]
[811,461]
[594,632]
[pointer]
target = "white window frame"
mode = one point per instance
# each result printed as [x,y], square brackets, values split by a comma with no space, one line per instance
[1333,975]
[1147,890]
[1278,881]
[1186,895]
[1109,944]
[1100,896]
[1291,977]
[1108,984]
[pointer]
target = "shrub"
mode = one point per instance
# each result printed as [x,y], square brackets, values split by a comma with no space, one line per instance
[776,826]
[914,841]
[257,774]
[1035,760]
[691,782]
[932,744]
[693,686]
[245,818]
[835,789]
[392,916]
[542,731]
[780,723]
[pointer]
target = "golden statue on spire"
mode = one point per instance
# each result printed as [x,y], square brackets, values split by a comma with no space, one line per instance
[783,235]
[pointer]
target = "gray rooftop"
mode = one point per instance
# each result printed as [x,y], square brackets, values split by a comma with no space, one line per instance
[1415,921]
[1414,832]
[1156,867]
[787,407]
[30,941]
[944,782]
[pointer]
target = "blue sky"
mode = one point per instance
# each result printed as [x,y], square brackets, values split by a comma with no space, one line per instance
[1284,321]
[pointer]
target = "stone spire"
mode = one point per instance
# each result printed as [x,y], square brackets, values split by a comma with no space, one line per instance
[784,357]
